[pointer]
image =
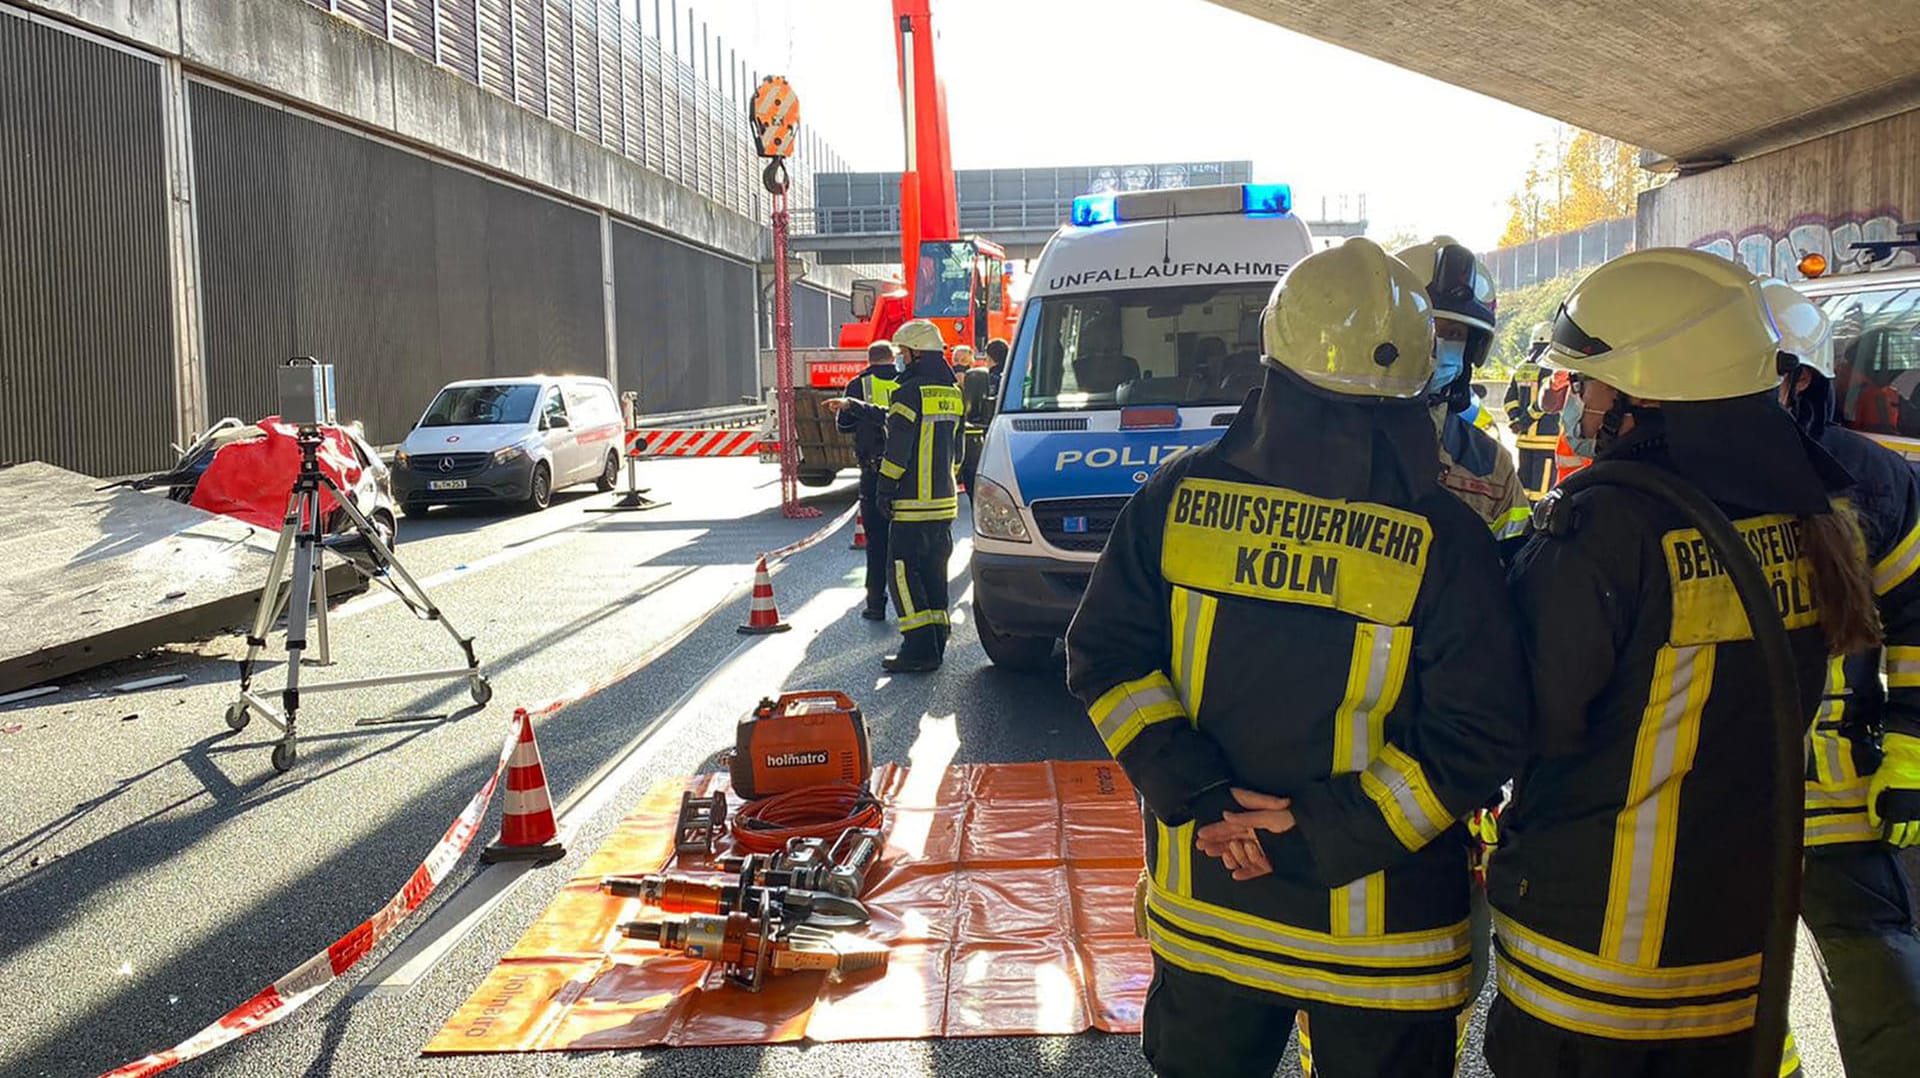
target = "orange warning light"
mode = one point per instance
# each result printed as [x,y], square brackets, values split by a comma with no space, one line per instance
[1813,264]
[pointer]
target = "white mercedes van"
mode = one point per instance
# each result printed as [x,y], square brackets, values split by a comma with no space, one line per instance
[510,440]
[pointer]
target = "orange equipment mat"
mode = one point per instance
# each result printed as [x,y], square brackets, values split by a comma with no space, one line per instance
[1005,892]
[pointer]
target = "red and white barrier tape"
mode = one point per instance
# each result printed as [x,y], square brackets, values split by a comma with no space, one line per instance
[283,996]
[697,443]
[826,529]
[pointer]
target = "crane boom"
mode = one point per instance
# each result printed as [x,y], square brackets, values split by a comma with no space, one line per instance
[928,206]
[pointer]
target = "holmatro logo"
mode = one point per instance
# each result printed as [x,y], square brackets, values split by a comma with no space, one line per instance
[797,759]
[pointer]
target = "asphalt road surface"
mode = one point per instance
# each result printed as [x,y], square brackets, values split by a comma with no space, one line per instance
[155,870]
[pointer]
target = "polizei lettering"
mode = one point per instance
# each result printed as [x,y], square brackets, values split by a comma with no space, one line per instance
[796,759]
[1283,546]
[1271,271]
[1129,456]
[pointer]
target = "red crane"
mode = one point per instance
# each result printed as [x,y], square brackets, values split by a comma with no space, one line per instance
[959,284]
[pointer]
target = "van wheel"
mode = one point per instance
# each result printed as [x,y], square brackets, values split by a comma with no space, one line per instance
[609,475]
[414,510]
[1025,653]
[816,479]
[540,490]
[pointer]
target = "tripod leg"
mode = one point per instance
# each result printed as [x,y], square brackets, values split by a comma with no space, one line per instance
[397,575]
[299,609]
[320,604]
[271,596]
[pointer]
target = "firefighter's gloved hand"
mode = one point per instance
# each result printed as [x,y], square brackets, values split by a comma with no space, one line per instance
[1893,798]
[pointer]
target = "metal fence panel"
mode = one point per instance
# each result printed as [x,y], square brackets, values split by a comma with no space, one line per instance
[404,272]
[684,322]
[86,337]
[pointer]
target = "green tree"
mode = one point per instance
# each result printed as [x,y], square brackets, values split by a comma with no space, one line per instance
[1577,178]
[1519,310]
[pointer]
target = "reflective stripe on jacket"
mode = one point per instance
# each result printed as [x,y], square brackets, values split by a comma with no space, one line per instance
[1354,656]
[1635,816]
[923,445]
[1843,744]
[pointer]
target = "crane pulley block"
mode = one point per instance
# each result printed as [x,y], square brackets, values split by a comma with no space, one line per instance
[775,117]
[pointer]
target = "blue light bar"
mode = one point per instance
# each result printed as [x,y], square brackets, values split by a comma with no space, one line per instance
[1091,210]
[1264,199]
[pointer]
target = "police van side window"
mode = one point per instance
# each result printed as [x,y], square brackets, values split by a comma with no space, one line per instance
[1876,360]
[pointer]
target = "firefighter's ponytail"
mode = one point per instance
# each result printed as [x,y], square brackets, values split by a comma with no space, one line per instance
[1842,584]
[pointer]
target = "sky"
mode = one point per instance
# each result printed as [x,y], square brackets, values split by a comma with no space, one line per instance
[1085,82]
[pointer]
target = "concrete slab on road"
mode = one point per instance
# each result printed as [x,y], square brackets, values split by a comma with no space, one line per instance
[90,576]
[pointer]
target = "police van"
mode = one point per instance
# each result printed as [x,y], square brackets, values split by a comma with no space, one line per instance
[1139,340]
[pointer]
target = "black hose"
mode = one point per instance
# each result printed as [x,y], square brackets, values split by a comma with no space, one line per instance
[1789,732]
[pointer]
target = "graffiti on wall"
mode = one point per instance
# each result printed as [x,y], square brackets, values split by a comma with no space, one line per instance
[1772,252]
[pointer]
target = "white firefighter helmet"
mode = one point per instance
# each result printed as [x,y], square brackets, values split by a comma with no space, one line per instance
[1458,283]
[1805,332]
[1668,324]
[1539,340]
[1352,320]
[920,335]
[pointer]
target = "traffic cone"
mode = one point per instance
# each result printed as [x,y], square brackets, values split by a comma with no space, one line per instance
[859,532]
[763,617]
[527,831]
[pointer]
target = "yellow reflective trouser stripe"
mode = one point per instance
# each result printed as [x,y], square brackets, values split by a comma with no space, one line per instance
[1591,971]
[1511,523]
[1398,787]
[1412,992]
[1376,672]
[1131,706]
[922,620]
[892,470]
[1789,1058]
[903,596]
[1647,828]
[1192,620]
[1568,1011]
[1894,569]
[1398,950]
[1903,667]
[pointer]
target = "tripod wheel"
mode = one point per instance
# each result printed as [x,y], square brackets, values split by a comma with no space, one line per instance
[283,756]
[481,690]
[237,716]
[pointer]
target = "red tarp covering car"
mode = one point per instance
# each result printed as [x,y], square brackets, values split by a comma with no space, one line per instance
[251,479]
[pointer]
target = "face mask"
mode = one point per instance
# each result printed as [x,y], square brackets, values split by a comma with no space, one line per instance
[1571,414]
[1449,357]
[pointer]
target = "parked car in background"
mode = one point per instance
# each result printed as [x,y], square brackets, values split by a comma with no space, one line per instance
[514,440]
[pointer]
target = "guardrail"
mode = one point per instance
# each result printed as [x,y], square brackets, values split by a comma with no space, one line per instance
[731,415]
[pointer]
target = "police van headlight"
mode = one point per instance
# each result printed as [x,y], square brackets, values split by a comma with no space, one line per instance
[995,515]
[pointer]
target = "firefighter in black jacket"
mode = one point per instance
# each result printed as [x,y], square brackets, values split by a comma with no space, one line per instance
[875,386]
[1628,885]
[917,485]
[1854,898]
[1296,647]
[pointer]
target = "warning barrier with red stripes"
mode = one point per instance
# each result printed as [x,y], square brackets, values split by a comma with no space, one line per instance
[697,443]
[280,998]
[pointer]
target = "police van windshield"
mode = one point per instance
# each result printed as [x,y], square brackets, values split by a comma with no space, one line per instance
[1194,345]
